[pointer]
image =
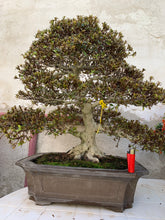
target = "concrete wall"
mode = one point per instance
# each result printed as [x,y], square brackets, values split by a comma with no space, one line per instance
[11,176]
[142,23]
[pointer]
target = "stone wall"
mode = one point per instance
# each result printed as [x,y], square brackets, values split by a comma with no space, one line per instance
[141,22]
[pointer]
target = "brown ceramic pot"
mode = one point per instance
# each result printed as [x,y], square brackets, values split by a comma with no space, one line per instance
[113,189]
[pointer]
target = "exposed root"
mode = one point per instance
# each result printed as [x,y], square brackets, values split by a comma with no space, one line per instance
[88,148]
[88,153]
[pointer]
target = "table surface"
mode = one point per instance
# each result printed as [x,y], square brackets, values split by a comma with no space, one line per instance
[149,204]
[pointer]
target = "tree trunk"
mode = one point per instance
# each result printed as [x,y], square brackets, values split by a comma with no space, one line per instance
[88,147]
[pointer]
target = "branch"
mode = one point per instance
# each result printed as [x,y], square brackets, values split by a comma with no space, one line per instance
[60,66]
[53,101]
[95,104]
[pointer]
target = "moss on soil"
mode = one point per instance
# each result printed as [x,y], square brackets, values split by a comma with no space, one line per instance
[63,159]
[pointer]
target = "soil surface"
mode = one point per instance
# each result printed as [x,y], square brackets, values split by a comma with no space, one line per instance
[64,159]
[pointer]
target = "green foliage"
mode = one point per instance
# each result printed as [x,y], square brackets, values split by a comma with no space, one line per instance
[19,124]
[138,134]
[72,49]
[77,61]
[62,120]
[75,48]
[116,125]
[161,126]
[160,129]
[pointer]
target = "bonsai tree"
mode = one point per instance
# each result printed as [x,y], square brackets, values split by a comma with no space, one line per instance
[79,66]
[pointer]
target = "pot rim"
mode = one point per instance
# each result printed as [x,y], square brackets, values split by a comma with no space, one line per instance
[28,164]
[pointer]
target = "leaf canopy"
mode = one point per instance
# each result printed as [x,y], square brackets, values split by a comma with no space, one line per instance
[80,60]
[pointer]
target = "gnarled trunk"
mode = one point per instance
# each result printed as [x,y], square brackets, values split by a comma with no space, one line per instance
[88,147]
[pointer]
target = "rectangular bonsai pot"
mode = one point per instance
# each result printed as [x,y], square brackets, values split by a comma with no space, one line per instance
[113,189]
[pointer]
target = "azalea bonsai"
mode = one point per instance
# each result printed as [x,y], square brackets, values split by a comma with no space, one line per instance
[79,66]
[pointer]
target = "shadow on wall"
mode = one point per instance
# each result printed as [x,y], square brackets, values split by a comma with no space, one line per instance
[11,177]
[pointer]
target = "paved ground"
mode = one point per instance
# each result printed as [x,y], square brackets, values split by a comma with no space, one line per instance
[149,204]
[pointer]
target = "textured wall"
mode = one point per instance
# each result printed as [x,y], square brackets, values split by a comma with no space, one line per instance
[142,23]
[11,176]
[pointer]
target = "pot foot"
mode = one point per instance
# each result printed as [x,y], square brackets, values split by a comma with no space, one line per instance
[128,206]
[31,198]
[42,202]
[114,208]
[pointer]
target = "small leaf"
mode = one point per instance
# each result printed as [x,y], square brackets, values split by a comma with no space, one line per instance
[19,128]
[84,53]
[108,43]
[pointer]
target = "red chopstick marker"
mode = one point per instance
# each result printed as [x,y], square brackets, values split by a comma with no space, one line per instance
[131,161]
